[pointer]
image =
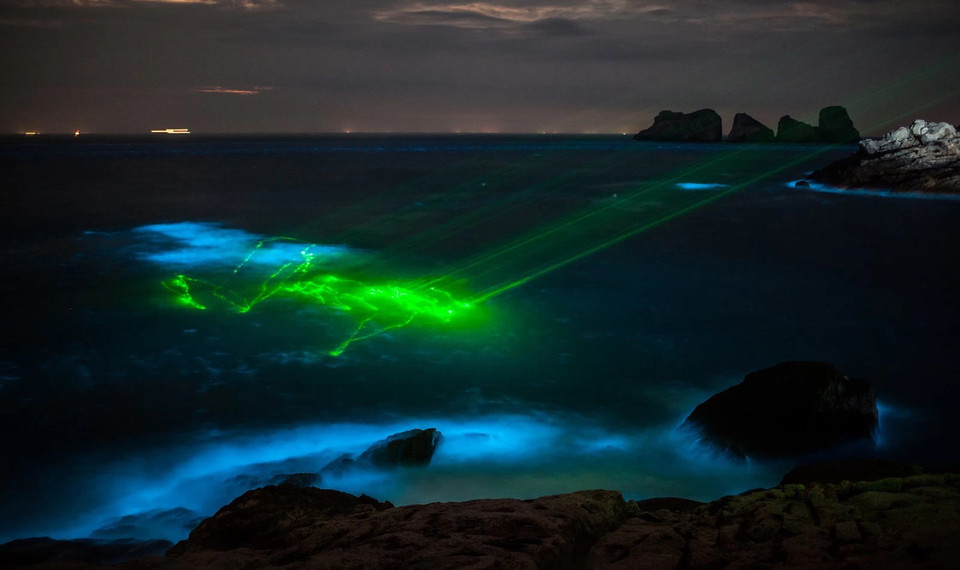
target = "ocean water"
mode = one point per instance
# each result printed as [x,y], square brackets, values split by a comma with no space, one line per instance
[555,305]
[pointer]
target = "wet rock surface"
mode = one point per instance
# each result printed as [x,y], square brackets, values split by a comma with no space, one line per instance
[893,522]
[924,157]
[789,409]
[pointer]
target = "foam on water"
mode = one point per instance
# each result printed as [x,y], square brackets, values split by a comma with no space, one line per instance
[880,193]
[514,455]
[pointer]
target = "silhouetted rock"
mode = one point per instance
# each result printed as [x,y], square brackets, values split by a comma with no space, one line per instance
[409,448]
[789,409]
[272,518]
[749,130]
[150,525]
[924,157]
[790,130]
[297,479]
[835,126]
[71,553]
[850,470]
[704,125]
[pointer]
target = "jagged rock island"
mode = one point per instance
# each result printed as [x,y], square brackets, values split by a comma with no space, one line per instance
[924,157]
[704,125]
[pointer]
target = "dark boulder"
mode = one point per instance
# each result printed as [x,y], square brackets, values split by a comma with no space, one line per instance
[272,518]
[849,470]
[790,409]
[924,157]
[409,448]
[297,479]
[790,130]
[749,130]
[835,126]
[704,125]
[52,553]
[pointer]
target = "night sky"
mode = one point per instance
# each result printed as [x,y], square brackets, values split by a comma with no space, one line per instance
[232,66]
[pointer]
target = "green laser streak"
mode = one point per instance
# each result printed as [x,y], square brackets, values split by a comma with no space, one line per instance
[378,307]
[383,306]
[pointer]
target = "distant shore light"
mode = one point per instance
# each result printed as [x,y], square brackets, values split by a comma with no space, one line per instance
[171,131]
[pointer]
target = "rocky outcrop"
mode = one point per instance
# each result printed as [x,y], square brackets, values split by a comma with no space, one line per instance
[704,125]
[790,130]
[746,129]
[924,157]
[835,126]
[410,448]
[893,522]
[309,528]
[790,409]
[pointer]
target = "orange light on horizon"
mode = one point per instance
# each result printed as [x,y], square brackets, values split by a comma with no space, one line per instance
[31,133]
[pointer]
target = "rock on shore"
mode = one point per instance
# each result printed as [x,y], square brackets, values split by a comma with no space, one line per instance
[894,522]
[924,157]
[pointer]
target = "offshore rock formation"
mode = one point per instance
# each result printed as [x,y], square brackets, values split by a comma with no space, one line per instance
[410,448]
[704,125]
[749,130]
[835,126]
[924,157]
[787,410]
[790,130]
[895,522]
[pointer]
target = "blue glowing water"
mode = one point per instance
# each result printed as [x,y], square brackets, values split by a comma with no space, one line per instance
[116,403]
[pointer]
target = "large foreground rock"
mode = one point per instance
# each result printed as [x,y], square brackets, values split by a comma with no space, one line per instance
[704,125]
[894,522]
[924,157]
[790,409]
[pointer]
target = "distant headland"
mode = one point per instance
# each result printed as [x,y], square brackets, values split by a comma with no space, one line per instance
[834,127]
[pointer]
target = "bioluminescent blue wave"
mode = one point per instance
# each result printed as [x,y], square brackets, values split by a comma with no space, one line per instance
[194,244]
[490,455]
[700,185]
[877,193]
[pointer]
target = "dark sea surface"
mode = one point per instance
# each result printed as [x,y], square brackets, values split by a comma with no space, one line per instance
[613,285]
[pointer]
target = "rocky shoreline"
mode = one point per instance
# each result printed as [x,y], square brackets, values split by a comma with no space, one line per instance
[923,157]
[910,520]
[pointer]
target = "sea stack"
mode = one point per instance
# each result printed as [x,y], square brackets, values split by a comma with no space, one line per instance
[749,130]
[835,126]
[790,130]
[704,125]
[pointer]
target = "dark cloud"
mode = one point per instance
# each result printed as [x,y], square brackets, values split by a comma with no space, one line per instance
[425,65]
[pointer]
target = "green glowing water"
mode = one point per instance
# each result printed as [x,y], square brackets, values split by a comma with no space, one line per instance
[377,307]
